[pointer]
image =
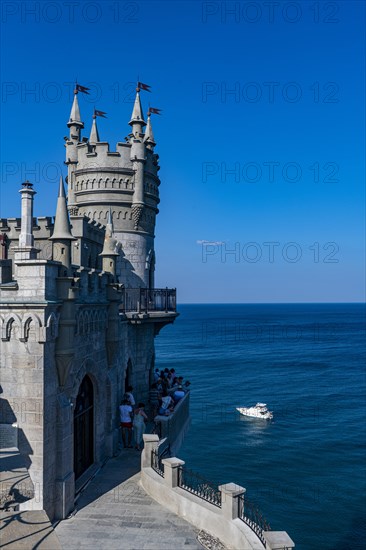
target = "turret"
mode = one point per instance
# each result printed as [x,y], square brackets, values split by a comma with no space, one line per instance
[138,159]
[62,236]
[109,252]
[137,121]
[75,125]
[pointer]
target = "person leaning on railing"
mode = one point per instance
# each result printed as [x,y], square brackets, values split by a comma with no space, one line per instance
[167,404]
[178,394]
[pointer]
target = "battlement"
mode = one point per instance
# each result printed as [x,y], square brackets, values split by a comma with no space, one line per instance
[85,227]
[99,155]
[85,250]
[42,226]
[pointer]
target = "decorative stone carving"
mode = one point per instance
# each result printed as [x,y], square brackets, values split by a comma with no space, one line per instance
[136,214]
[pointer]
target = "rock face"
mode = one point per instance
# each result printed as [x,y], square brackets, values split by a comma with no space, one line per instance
[79,312]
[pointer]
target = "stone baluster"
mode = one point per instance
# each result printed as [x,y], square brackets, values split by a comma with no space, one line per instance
[171,470]
[150,444]
[229,500]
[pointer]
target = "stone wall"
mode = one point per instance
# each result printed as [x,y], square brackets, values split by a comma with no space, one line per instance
[54,332]
[223,522]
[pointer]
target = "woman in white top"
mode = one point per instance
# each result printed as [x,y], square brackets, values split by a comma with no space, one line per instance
[139,425]
[125,412]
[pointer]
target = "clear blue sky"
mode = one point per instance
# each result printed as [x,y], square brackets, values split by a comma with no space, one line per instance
[293,132]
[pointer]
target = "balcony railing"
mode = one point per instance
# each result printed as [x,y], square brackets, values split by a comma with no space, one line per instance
[146,300]
[252,516]
[199,486]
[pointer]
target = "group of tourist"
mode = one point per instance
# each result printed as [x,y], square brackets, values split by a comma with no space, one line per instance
[166,390]
[133,420]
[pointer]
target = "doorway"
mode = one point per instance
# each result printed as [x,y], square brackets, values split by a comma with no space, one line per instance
[84,428]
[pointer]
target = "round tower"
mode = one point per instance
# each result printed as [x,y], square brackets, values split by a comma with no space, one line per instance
[124,182]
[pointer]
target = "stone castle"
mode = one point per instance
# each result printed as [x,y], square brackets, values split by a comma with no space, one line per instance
[79,310]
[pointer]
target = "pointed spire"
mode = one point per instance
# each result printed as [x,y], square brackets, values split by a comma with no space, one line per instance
[75,119]
[137,114]
[149,135]
[62,230]
[94,134]
[109,253]
[110,243]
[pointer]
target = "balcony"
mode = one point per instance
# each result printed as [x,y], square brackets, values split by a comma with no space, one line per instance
[147,305]
[146,300]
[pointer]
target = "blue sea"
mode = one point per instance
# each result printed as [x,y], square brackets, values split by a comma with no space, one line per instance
[305,470]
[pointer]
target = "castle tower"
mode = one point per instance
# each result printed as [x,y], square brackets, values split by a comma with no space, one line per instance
[74,336]
[125,182]
[62,236]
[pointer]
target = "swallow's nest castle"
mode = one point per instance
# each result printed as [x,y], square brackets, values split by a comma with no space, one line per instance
[79,311]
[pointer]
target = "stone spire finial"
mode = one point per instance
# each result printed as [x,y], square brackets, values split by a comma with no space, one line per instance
[109,252]
[94,134]
[62,236]
[62,230]
[75,118]
[149,135]
[137,117]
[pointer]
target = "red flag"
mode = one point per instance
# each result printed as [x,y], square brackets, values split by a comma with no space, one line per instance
[99,113]
[142,86]
[82,89]
[154,110]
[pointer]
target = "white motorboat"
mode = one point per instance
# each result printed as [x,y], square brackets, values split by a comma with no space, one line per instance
[257,411]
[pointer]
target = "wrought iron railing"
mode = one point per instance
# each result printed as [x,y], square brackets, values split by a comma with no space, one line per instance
[145,300]
[199,486]
[252,516]
[157,456]
[156,462]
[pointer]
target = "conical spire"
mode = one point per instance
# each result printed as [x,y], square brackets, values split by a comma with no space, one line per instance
[94,134]
[75,119]
[62,230]
[149,135]
[110,243]
[137,114]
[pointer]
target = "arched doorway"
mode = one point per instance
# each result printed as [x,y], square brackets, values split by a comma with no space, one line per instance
[84,428]
[128,376]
